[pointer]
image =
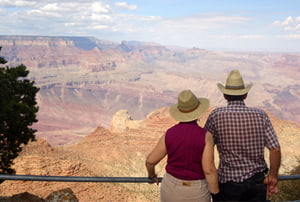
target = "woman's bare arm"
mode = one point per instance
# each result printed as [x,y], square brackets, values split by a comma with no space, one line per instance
[157,154]
[208,164]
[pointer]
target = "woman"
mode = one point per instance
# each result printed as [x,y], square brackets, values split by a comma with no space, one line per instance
[190,152]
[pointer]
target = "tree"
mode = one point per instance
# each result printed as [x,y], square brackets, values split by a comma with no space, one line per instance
[18,108]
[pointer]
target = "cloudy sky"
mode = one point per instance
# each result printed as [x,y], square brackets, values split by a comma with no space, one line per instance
[255,25]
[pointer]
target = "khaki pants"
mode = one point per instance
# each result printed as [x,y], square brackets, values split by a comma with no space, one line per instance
[173,189]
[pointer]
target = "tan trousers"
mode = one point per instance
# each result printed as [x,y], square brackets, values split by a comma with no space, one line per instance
[173,189]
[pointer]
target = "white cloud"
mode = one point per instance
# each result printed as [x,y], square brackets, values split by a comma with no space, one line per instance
[33,13]
[228,19]
[293,36]
[98,7]
[100,17]
[252,36]
[289,28]
[57,17]
[18,3]
[71,24]
[30,15]
[289,20]
[51,7]
[289,36]
[59,7]
[290,24]
[277,23]
[98,27]
[124,5]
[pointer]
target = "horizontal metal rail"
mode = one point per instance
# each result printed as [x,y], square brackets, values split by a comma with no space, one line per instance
[100,179]
[289,177]
[76,178]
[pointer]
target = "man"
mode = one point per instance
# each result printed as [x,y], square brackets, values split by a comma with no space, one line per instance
[241,133]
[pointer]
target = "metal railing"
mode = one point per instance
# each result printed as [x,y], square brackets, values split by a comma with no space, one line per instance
[100,179]
[75,178]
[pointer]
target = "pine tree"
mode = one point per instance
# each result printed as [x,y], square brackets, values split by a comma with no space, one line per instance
[18,108]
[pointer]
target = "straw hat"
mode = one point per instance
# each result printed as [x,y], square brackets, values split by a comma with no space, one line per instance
[188,107]
[234,84]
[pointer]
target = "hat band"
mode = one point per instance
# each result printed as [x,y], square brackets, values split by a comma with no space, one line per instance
[235,87]
[190,110]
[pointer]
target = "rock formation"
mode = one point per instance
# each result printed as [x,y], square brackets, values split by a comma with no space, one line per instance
[22,197]
[64,195]
[122,122]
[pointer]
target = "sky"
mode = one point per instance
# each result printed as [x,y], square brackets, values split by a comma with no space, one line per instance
[238,25]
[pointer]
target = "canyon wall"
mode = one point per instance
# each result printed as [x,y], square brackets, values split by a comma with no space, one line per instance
[83,80]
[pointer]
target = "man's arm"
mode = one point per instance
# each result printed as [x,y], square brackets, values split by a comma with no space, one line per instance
[272,178]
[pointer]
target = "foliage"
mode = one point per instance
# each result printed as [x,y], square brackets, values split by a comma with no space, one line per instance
[289,190]
[17,113]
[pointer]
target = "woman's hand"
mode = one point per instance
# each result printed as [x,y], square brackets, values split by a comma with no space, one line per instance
[154,179]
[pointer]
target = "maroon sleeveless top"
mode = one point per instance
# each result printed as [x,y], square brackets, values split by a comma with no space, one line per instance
[185,144]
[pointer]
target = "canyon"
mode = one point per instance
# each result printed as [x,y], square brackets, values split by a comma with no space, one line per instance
[103,106]
[83,81]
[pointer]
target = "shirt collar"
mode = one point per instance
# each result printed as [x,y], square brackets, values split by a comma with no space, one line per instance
[236,102]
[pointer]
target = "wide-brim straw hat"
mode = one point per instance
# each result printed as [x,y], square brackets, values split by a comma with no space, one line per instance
[189,107]
[234,84]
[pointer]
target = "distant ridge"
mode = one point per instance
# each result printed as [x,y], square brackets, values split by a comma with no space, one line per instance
[82,42]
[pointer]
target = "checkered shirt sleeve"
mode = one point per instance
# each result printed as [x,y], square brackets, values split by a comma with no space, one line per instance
[241,134]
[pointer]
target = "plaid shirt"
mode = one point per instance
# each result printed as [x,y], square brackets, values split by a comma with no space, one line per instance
[241,133]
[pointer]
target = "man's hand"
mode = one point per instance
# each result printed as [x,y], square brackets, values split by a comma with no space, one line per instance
[271,183]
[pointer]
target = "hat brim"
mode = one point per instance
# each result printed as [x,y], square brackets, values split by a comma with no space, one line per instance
[234,92]
[190,116]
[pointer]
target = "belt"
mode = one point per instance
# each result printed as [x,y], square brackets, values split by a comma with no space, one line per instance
[184,182]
